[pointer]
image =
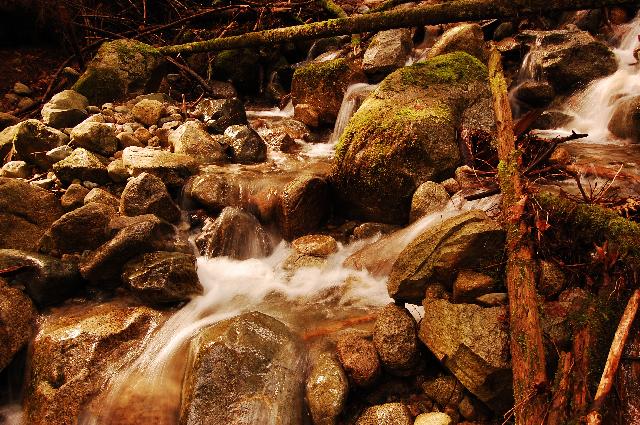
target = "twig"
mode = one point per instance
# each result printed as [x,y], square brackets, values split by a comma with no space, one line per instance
[187,70]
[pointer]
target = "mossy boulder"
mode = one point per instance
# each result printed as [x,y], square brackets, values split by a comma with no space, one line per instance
[241,67]
[405,133]
[122,68]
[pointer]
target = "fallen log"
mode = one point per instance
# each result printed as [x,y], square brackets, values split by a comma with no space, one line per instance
[527,349]
[443,13]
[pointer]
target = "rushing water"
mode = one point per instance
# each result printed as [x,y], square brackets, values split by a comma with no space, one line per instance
[353,98]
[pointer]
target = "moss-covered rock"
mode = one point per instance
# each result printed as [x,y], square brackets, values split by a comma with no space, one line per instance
[241,67]
[405,133]
[122,68]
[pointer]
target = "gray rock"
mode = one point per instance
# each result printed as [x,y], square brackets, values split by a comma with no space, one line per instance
[16,326]
[248,146]
[429,197]
[15,169]
[326,389]
[96,137]
[241,371]
[386,414]
[171,168]
[147,194]
[82,165]
[388,51]
[65,109]
[304,204]
[31,139]
[219,114]
[467,38]
[470,285]
[192,139]
[625,121]
[395,337]
[101,196]
[148,111]
[359,359]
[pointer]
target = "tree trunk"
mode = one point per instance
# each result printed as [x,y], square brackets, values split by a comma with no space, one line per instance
[527,350]
[458,11]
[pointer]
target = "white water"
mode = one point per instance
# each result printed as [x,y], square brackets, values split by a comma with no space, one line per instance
[351,101]
[275,112]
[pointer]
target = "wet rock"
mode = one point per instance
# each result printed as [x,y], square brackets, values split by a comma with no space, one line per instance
[101,196]
[303,206]
[17,318]
[296,261]
[395,337]
[320,86]
[96,137]
[31,139]
[240,372]
[121,68]
[219,114]
[549,120]
[162,277]
[214,192]
[470,241]
[625,121]
[473,344]
[73,197]
[236,234]
[535,94]
[369,230]
[386,414]
[405,133]
[26,212]
[470,285]
[359,359]
[248,146]
[467,38]
[315,245]
[84,228]
[433,418]
[192,139]
[326,389]
[65,109]
[171,168]
[82,165]
[75,353]
[47,280]
[148,111]
[551,280]
[444,390]
[15,169]
[147,194]
[429,197]
[388,51]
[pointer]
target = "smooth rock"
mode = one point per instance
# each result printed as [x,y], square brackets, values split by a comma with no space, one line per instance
[535,94]
[172,168]
[215,192]
[7,120]
[218,114]
[327,389]
[82,165]
[95,137]
[303,206]
[147,194]
[433,418]
[73,197]
[315,245]
[248,146]
[148,111]
[625,121]
[387,51]
[192,139]
[65,109]
[470,285]
[467,38]
[395,337]
[22,89]
[101,196]
[17,319]
[429,197]
[386,414]
[15,169]
[359,359]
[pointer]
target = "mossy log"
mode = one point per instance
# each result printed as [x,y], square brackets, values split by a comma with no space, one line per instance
[443,13]
[527,349]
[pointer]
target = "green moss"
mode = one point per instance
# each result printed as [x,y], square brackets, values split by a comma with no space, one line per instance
[314,72]
[100,85]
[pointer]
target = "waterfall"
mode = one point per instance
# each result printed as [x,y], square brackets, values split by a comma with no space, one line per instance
[351,101]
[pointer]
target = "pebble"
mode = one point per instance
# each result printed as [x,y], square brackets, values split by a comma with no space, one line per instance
[22,89]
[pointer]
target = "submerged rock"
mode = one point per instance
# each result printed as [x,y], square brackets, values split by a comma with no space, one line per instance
[244,370]
[386,414]
[326,389]
[388,51]
[65,109]
[147,194]
[17,319]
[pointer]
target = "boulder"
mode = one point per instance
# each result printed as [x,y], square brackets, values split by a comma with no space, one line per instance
[625,121]
[16,170]
[26,212]
[236,234]
[473,343]
[47,280]
[75,353]
[121,69]
[534,94]
[172,168]
[433,418]
[218,114]
[30,140]
[73,197]
[405,133]
[148,111]
[241,67]
[96,137]
[82,229]
[147,194]
[248,146]
[386,414]
[428,198]
[162,277]
[444,390]
[17,320]
[359,359]
[395,337]
[326,389]
[82,165]
[192,139]
[470,241]
[239,371]
[315,245]
[467,38]
[304,204]
[215,192]
[65,109]
[470,285]
[101,196]
[320,87]
[7,120]
[387,51]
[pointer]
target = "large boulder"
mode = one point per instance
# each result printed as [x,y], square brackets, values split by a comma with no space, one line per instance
[303,205]
[625,121]
[75,353]
[30,140]
[467,38]
[405,133]
[147,194]
[470,241]
[172,168]
[82,165]
[26,212]
[96,137]
[473,343]
[241,67]
[239,371]
[326,389]
[191,138]
[65,109]
[248,147]
[318,89]
[122,68]
[17,320]
[215,192]
[388,51]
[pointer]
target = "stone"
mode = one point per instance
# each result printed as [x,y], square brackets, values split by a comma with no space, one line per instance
[162,277]
[551,280]
[236,234]
[386,414]
[26,212]
[74,354]
[321,86]
[470,285]
[395,337]
[117,171]
[65,109]
[147,194]
[82,165]
[16,170]
[22,89]
[433,418]
[172,168]
[59,153]
[121,69]
[47,280]
[214,192]
[7,120]
[73,197]
[17,318]
[192,139]
[148,111]
[387,51]
[550,120]
[625,121]
[241,67]
[96,137]
[359,359]
[467,38]
[296,261]
[101,196]
[493,299]
[369,230]
[83,229]
[451,185]
[315,245]
[468,409]
[428,198]
[127,138]
[239,371]
[304,204]
[534,94]
[31,139]
[473,343]
[504,30]
[248,146]
[444,390]
[406,133]
[470,241]
[218,114]
[327,389]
